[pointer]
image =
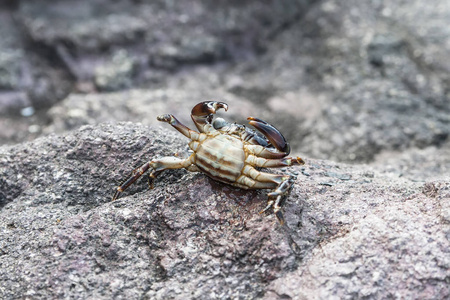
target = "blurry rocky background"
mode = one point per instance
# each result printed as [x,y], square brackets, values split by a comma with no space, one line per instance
[359,82]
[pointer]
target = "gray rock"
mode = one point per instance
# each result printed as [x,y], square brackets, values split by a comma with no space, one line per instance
[354,79]
[344,82]
[364,234]
[11,53]
[141,106]
[117,75]
[173,34]
[26,77]
[359,81]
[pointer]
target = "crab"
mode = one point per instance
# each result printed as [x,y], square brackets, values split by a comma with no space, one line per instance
[229,153]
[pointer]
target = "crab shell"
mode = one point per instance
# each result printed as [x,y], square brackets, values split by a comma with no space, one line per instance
[229,153]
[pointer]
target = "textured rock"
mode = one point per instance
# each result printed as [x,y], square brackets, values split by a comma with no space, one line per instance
[141,106]
[358,78]
[164,34]
[27,78]
[351,231]
[358,81]
[343,81]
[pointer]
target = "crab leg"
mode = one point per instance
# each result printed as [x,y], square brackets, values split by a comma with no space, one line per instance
[246,182]
[186,131]
[271,133]
[202,113]
[273,163]
[259,176]
[262,151]
[277,196]
[158,165]
[281,184]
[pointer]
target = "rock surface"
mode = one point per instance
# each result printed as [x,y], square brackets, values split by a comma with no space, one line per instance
[343,81]
[351,231]
[365,82]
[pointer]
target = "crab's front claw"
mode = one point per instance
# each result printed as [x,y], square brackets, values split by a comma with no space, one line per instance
[207,108]
[271,133]
[202,113]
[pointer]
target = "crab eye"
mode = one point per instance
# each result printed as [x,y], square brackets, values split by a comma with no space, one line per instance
[219,123]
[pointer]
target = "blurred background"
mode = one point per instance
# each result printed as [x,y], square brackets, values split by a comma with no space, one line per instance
[356,81]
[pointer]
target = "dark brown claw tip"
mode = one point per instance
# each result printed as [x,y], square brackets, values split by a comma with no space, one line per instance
[271,133]
[208,107]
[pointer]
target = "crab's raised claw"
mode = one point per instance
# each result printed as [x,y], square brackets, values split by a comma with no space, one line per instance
[271,133]
[202,113]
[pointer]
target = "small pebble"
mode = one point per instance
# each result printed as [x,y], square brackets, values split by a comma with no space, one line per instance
[27,111]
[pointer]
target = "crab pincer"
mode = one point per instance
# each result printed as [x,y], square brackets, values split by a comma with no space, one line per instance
[202,113]
[271,133]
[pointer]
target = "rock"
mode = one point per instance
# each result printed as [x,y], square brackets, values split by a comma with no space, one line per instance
[11,54]
[26,77]
[367,234]
[173,34]
[357,81]
[344,82]
[141,106]
[348,81]
[116,75]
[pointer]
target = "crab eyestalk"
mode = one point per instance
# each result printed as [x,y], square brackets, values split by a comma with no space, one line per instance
[202,113]
[271,133]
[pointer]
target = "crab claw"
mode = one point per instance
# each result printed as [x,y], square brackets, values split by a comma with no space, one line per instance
[271,133]
[202,113]
[207,108]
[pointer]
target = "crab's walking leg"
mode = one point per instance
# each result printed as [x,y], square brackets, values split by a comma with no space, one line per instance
[273,163]
[278,195]
[281,184]
[183,163]
[157,165]
[262,151]
[186,131]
